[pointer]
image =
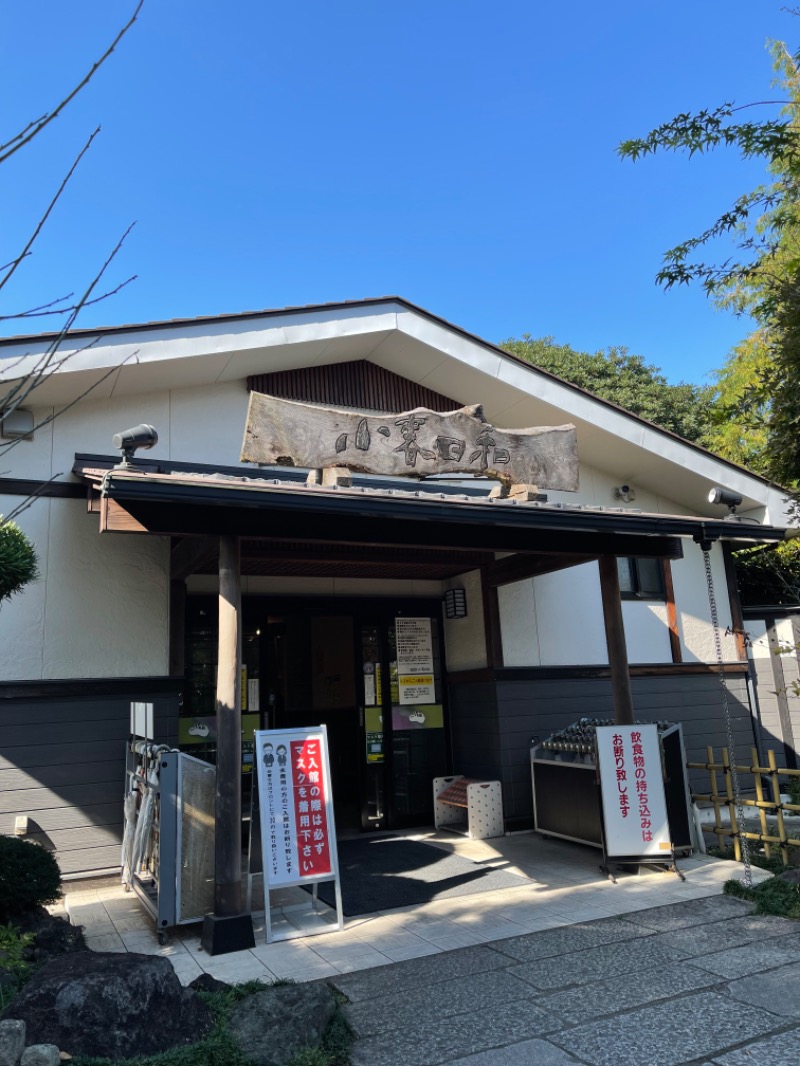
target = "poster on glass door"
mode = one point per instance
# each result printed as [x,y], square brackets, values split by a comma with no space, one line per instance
[414,661]
[295,806]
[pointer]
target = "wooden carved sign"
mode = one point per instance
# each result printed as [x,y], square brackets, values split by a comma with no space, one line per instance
[416,443]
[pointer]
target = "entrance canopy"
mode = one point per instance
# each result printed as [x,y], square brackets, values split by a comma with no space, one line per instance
[282,512]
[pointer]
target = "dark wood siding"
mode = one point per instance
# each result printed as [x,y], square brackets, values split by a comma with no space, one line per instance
[358,384]
[62,762]
[494,722]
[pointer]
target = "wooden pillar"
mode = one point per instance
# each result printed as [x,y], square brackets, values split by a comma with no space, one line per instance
[177,628]
[228,846]
[491,622]
[615,640]
[737,618]
[228,929]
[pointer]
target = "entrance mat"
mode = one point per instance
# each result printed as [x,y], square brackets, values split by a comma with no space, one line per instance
[381,873]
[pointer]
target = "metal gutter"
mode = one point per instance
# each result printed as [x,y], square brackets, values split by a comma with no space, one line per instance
[396,505]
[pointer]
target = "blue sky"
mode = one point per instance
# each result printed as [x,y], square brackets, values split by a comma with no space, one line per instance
[459,153]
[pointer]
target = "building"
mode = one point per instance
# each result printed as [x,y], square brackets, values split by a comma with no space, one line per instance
[126,606]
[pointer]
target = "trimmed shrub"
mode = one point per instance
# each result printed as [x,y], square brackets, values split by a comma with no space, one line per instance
[29,877]
[17,559]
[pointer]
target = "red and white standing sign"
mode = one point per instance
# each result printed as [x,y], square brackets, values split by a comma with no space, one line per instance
[632,785]
[298,838]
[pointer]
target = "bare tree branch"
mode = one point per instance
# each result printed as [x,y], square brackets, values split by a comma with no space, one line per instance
[6,448]
[36,127]
[48,362]
[25,251]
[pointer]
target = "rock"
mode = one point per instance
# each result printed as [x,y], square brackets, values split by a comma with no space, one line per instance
[40,1055]
[272,1026]
[110,1005]
[206,983]
[792,875]
[54,936]
[12,1042]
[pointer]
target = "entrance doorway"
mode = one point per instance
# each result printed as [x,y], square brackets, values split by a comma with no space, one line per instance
[370,671]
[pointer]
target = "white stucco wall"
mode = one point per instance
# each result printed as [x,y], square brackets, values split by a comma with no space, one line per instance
[99,607]
[691,601]
[557,619]
[203,425]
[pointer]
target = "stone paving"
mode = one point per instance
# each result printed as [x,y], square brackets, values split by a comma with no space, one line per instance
[649,989]
[569,969]
[565,887]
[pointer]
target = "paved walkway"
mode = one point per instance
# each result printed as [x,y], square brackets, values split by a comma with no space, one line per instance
[700,982]
[565,886]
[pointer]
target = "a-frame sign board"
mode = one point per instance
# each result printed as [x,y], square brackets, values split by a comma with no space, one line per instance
[295,805]
[636,826]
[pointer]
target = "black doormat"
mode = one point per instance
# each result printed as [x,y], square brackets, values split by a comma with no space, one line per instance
[378,874]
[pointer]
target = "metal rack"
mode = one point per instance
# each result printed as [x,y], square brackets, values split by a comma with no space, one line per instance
[566,797]
[168,848]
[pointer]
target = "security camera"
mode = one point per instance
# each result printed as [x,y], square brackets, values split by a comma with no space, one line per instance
[130,440]
[726,497]
[625,492]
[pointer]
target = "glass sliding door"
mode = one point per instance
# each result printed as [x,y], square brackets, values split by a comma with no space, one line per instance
[403,720]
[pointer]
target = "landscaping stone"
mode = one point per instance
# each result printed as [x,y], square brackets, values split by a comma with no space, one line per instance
[272,1026]
[110,1005]
[12,1042]
[54,936]
[40,1055]
[792,875]
[206,983]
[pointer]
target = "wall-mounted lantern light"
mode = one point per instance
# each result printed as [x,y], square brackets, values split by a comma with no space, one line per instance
[455,603]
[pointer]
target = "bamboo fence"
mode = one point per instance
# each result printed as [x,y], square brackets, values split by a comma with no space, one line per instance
[767,802]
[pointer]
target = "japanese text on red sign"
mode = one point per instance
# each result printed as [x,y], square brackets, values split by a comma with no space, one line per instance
[313,845]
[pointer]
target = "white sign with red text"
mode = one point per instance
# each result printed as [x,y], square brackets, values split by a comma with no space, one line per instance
[632,785]
[298,838]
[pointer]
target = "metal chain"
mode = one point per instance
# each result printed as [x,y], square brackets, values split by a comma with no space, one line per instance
[737,795]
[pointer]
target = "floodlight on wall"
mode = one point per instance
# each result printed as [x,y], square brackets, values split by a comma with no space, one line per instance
[731,500]
[455,603]
[725,497]
[130,440]
[17,425]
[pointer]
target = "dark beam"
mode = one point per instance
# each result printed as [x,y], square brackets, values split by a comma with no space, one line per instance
[672,613]
[177,628]
[615,640]
[192,554]
[491,623]
[378,530]
[521,566]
